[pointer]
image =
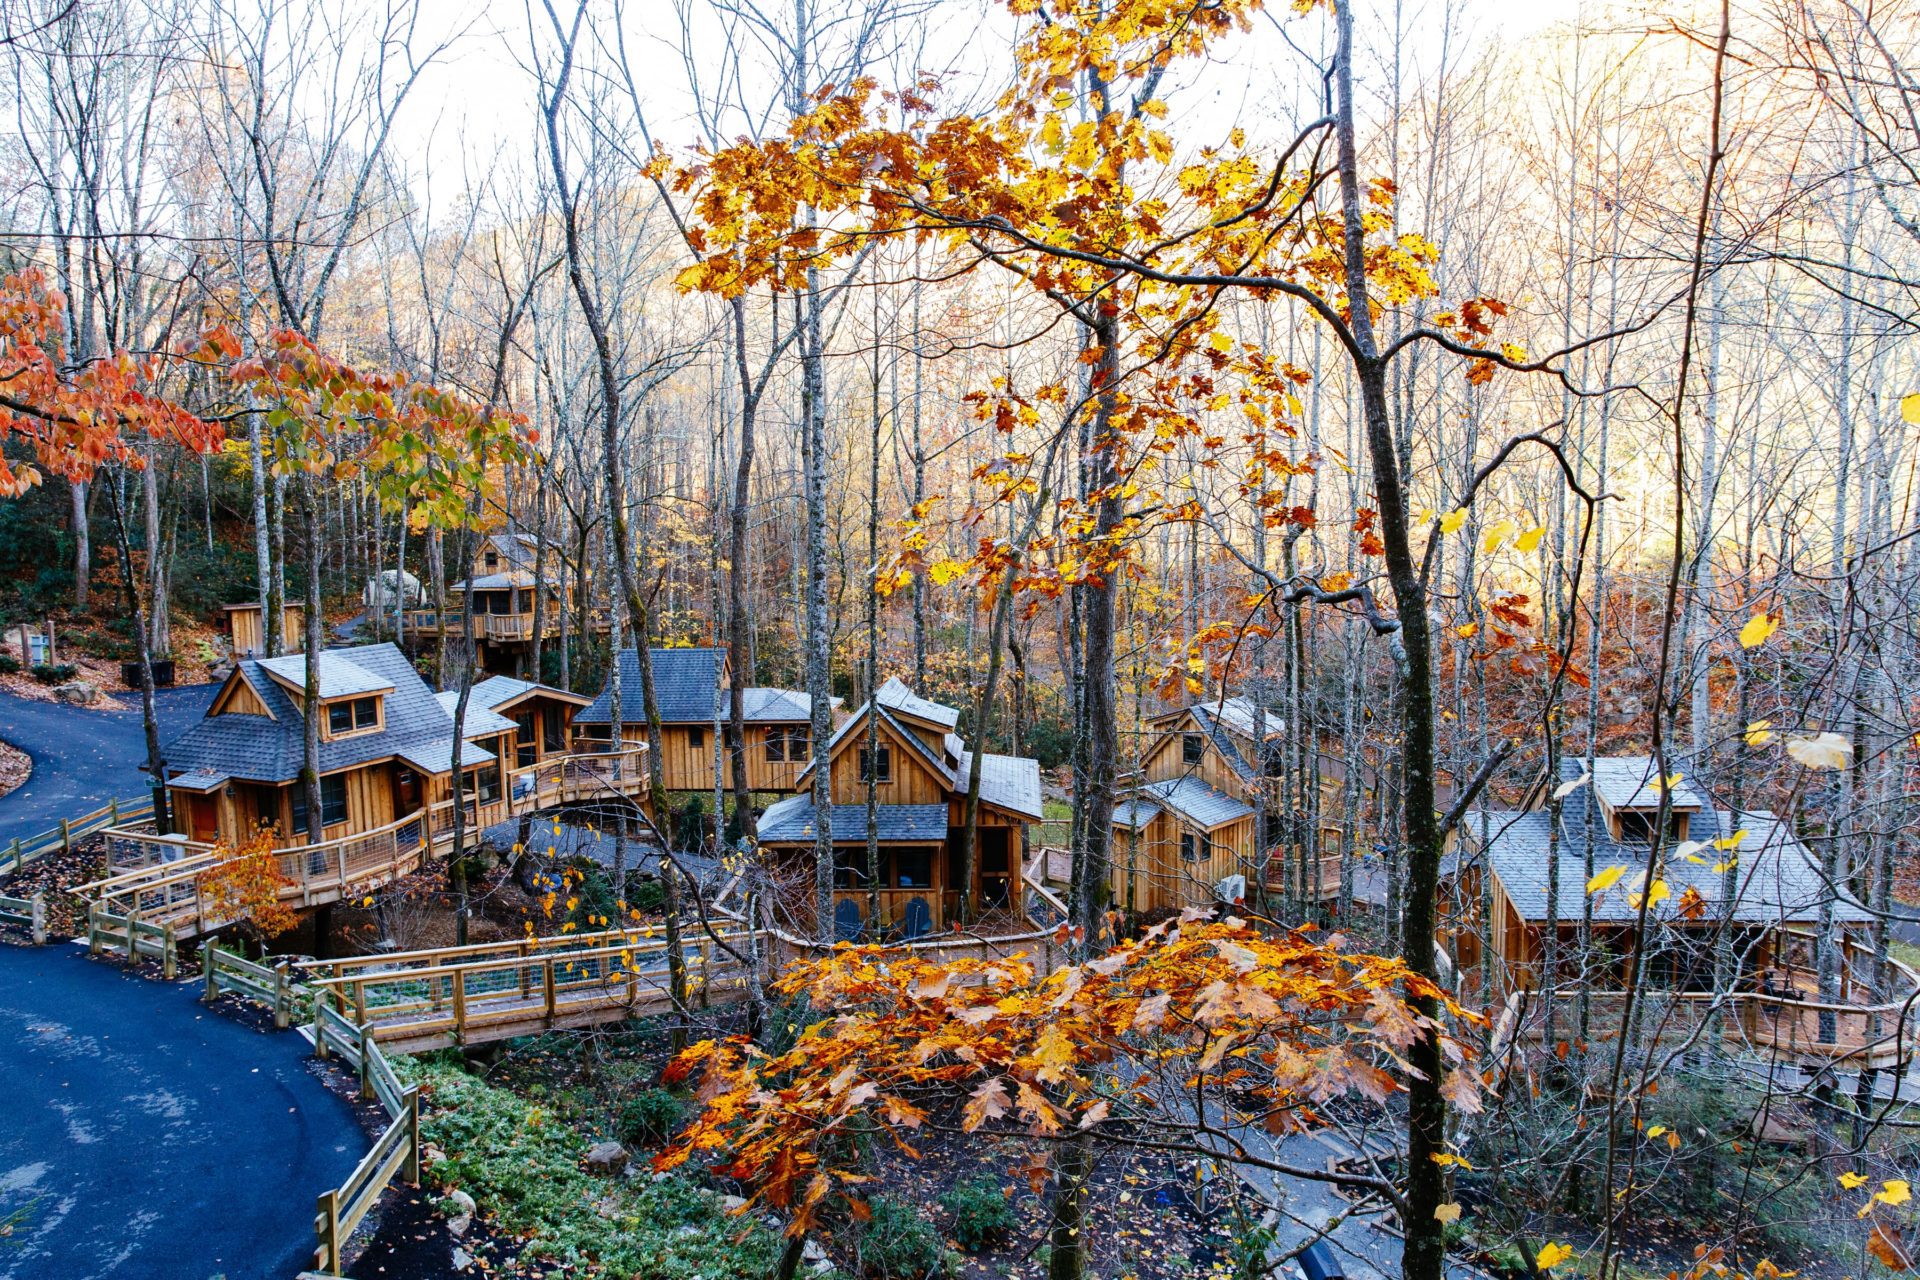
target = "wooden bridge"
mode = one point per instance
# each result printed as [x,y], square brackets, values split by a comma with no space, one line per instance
[163,881]
[412,1001]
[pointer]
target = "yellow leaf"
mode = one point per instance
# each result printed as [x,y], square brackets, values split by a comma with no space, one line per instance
[944,571]
[1851,1180]
[1656,1131]
[1221,342]
[1552,1256]
[1451,522]
[1910,407]
[1758,628]
[1894,1191]
[1529,540]
[1445,1158]
[1759,733]
[1498,533]
[1466,630]
[1447,1213]
[1822,751]
[1605,879]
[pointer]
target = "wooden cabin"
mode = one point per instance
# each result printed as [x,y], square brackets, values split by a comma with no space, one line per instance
[386,748]
[691,686]
[247,637]
[542,715]
[920,770]
[501,580]
[1193,819]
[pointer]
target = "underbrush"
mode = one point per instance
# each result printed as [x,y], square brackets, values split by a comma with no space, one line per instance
[522,1166]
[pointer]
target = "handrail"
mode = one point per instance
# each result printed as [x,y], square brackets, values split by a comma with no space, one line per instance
[390,962]
[25,849]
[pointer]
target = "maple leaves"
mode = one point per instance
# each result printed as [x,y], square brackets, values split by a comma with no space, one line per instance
[1273,1027]
[77,419]
[245,883]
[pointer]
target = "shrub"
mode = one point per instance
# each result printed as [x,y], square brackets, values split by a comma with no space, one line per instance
[522,1167]
[650,1118]
[54,672]
[8,664]
[646,895]
[896,1243]
[981,1211]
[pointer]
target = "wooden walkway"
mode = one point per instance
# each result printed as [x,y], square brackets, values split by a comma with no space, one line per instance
[163,882]
[412,1001]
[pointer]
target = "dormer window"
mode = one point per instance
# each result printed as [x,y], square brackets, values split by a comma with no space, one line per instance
[352,715]
[492,561]
[877,765]
[1193,748]
[1637,825]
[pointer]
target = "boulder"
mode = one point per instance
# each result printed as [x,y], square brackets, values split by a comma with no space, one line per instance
[607,1158]
[459,1213]
[76,693]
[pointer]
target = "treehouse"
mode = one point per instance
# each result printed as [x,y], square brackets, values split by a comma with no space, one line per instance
[249,639]
[1192,818]
[542,715]
[919,769]
[1733,924]
[501,581]
[386,751]
[691,688]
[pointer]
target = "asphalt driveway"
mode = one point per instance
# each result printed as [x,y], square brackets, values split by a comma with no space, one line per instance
[84,759]
[146,1136]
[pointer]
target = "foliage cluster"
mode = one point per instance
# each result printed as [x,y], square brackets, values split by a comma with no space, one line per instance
[981,1210]
[522,1167]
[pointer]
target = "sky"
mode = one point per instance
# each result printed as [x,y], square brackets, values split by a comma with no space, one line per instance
[476,106]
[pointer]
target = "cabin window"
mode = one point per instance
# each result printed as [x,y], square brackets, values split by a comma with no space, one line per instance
[493,560]
[483,782]
[913,868]
[333,803]
[354,716]
[1192,748]
[697,739]
[785,742]
[849,868]
[877,765]
[1195,848]
[1638,826]
[526,740]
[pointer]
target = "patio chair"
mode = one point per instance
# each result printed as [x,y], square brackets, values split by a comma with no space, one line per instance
[917,920]
[848,924]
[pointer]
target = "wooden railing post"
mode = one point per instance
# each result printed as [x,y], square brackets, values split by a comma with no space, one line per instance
[460,1003]
[169,956]
[547,979]
[411,1169]
[14,862]
[282,996]
[133,932]
[66,836]
[326,1225]
[360,1002]
[37,912]
[366,1062]
[320,1029]
[210,985]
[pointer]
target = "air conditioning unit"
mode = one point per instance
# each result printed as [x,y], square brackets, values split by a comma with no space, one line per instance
[1231,889]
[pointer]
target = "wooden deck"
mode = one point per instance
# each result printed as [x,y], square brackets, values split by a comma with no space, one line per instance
[161,880]
[418,1000]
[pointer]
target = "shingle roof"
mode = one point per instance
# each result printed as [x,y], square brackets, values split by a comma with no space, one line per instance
[481,721]
[494,581]
[1776,875]
[263,749]
[770,705]
[1198,803]
[1008,782]
[684,682]
[1222,742]
[895,695]
[437,757]
[792,820]
[1629,782]
[1135,814]
[1237,713]
[339,678]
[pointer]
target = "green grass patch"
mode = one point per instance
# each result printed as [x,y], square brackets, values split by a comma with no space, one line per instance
[1905,952]
[1057,828]
[521,1164]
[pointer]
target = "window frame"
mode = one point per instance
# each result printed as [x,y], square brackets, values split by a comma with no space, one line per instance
[1193,747]
[882,756]
[353,707]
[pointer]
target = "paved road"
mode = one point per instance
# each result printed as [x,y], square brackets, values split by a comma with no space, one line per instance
[83,759]
[199,1157]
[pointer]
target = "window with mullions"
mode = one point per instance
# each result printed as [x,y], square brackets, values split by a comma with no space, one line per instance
[877,765]
[786,742]
[355,716]
[333,802]
[1193,747]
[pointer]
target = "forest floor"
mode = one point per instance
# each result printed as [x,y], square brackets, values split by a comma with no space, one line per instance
[16,766]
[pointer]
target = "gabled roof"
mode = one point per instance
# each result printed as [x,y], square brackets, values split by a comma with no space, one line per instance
[768,706]
[940,767]
[792,820]
[339,678]
[1006,782]
[481,720]
[895,696]
[271,748]
[1134,815]
[1198,803]
[1632,782]
[685,682]
[437,756]
[1222,742]
[1776,875]
[494,581]
[498,692]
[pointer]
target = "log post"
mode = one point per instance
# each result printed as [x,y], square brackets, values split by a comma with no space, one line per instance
[411,1100]
[37,913]
[326,1225]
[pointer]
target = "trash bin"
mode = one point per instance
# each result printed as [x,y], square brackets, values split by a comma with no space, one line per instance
[1318,1262]
[162,673]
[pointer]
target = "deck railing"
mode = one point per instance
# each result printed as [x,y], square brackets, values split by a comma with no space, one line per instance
[577,776]
[25,849]
[462,995]
[1792,1023]
[395,1153]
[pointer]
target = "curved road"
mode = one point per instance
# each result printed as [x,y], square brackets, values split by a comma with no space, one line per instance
[147,1136]
[83,759]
